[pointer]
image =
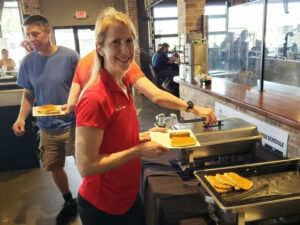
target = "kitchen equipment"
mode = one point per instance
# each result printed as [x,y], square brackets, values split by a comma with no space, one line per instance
[174,119]
[226,138]
[160,120]
[168,122]
[281,197]
[194,63]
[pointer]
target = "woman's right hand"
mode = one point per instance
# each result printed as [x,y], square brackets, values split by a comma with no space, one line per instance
[151,149]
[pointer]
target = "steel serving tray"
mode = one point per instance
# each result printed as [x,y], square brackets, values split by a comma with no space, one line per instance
[233,136]
[282,199]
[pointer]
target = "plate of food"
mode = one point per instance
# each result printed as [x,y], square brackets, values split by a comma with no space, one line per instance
[175,139]
[48,110]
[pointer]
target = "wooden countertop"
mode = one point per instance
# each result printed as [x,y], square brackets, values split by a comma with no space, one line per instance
[274,105]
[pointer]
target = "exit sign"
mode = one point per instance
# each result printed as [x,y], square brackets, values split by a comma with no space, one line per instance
[80,14]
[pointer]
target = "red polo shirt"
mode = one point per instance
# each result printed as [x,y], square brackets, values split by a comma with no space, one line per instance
[84,67]
[106,107]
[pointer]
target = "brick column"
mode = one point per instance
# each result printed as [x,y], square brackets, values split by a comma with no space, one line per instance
[30,7]
[189,13]
[131,11]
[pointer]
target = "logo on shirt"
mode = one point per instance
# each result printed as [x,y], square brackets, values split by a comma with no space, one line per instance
[120,108]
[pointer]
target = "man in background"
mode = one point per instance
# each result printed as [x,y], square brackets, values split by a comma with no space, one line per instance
[165,68]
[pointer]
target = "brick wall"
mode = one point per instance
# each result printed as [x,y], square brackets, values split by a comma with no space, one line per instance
[189,14]
[131,10]
[30,7]
[205,100]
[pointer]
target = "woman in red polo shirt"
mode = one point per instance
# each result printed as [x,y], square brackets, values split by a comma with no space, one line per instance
[108,145]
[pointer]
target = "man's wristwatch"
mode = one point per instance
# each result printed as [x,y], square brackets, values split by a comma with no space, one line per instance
[190,106]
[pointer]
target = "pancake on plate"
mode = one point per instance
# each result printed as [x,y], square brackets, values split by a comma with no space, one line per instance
[183,141]
[49,109]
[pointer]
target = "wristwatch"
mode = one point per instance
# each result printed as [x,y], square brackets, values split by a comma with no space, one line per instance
[190,106]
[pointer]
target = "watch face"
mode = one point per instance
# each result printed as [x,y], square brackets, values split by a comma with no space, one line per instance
[190,106]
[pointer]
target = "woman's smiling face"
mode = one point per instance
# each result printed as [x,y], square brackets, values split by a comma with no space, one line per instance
[118,49]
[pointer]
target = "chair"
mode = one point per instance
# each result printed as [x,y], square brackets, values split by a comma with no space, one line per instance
[153,73]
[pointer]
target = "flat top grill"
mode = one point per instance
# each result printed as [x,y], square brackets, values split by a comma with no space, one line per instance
[280,181]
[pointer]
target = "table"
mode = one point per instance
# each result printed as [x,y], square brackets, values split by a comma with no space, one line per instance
[166,200]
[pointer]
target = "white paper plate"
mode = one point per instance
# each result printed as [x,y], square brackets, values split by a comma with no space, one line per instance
[165,140]
[35,112]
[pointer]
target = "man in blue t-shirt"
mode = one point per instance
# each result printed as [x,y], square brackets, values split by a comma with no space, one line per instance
[165,68]
[46,75]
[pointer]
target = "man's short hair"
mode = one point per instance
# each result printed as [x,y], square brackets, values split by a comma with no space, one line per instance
[165,45]
[37,20]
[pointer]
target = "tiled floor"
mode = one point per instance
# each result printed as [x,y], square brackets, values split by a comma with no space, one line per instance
[30,197]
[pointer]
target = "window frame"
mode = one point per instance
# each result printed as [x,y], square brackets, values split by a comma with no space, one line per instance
[152,20]
[75,33]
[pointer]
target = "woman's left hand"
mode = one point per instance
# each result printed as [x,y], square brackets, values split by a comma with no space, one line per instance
[207,113]
[145,136]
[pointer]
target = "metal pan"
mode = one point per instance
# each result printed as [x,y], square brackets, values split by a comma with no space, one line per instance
[282,177]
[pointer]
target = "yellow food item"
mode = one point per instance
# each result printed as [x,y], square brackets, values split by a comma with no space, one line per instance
[49,109]
[239,181]
[180,134]
[222,191]
[183,141]
[224,180]
[217,185]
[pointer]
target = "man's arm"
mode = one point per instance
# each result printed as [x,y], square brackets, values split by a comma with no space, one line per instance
[165,99]
[73,96]
[26,106]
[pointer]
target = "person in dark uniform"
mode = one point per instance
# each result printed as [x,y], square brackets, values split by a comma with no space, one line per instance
[165,68]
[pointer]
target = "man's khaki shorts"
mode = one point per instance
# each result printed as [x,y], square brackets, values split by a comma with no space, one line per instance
[53,147]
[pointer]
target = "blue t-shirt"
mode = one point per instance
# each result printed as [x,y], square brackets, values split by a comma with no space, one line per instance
[160,61]
[50,77]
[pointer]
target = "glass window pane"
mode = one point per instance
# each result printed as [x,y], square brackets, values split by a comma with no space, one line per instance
[11,4]
[86,39]
[166,27]
[244,33]
[282,63]
[12,32]
[214,57]
[215,10]
[65,37]
[161,12]
[216,24]
[172,41]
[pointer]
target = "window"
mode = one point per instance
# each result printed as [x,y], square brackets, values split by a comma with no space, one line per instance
[65,37]
[165,26]
[282,58]
[241,51]
[80,39]
[12,34]
[217,29]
